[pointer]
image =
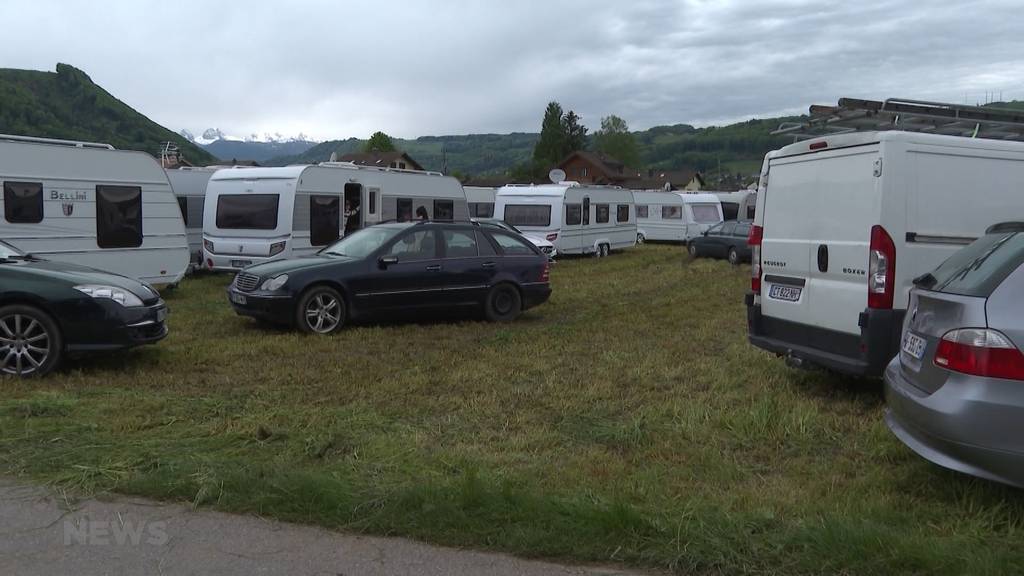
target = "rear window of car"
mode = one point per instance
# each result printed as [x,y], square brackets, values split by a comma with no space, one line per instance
[979,268]
[512,246]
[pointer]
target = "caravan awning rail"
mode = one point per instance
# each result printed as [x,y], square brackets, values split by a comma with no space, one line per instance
[73,143]
[856,115]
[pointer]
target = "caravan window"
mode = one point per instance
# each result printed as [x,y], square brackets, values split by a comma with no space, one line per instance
[404,209]
[183,205]
[444,210]
[704,213]
[528,214]
[622,213]
[641,211]
[481,209]
[586,210]
[373,201]
[671,212]
[602,213]
[23,202]
[118,216]
[324,219]
[572,214]
[247,211]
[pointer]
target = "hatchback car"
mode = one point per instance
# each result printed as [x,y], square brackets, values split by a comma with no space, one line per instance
[397,266]
[955,392]
[545,245]
[49,309]
[726,240]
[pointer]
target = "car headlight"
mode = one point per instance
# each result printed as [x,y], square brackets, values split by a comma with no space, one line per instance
[274,283]
[119,295]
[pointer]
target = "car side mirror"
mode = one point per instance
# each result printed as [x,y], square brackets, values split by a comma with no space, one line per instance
[385,261]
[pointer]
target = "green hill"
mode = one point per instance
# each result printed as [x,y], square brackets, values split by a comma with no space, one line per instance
[67,104]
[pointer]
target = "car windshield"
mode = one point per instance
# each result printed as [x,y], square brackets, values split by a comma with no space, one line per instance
[8,251]
[980,267]
[364,242]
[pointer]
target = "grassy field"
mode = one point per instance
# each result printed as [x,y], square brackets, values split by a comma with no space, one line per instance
[627,421]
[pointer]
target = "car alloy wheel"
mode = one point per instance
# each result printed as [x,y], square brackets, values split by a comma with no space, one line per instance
[323,311]
[26,344]
[734,258]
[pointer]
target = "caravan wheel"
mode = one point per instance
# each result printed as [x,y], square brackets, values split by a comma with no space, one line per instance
[30,342]
[640,238]
[692,249]
[734,257]
[605,250]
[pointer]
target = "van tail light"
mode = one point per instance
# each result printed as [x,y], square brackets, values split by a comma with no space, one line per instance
[754,240]
[981,352]
[881,269]
[276,248]
[552,237]
[208,245]
[545,274]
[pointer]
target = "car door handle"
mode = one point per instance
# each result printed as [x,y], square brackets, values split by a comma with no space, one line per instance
[434,268]
[489,264]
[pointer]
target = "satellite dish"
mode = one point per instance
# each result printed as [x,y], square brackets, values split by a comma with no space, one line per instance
[334,157]
[556,175]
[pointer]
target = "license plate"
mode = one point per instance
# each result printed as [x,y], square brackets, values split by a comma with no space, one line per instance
[238,298]
[914,345]
[240,263]
[161,315]
[786,293]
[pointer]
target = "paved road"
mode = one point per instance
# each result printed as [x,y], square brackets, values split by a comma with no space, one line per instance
[43,533]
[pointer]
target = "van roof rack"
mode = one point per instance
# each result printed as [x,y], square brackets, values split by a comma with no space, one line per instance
[856,115]
[54,141]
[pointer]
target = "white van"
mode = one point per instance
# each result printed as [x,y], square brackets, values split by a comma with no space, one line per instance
[674,216]
[189,185]
[90,204]
[577,219]
[845,223]
[253,215]
[481,201]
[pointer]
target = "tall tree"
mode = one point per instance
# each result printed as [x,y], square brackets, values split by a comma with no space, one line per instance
[379,142]
[548,150]
[575,134]
[615,139]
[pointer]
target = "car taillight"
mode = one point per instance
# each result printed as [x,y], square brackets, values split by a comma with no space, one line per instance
[276,248]
[552,237]
[545,274]
[754,240]
[881,269]
[981,352]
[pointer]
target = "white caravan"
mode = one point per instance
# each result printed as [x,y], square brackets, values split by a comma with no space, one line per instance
[674,216]
[189,185]
[481,201]
[845,223]
[577,219]
[737,205]
[253,215]
[91,204]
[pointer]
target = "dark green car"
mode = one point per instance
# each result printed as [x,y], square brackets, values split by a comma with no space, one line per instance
[52,309]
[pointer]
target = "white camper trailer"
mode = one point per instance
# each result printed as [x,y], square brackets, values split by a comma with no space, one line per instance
[737,205]
[253,215]
[577,219]
[481,201]
[93,205]
[659,216]
[189,185]
[701,212]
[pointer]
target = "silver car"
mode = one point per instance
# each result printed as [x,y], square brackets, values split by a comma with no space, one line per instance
[955,392]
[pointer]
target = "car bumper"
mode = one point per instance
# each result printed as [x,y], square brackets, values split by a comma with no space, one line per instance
[274,308]
[805,345]
[110,326]
[535,294]
[970,424]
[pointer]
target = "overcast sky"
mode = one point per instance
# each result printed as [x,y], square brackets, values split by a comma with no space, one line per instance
[346,68]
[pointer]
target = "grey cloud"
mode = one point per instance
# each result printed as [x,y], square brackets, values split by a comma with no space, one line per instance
[339,69]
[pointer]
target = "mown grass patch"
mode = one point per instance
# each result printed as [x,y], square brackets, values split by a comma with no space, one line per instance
[625,421]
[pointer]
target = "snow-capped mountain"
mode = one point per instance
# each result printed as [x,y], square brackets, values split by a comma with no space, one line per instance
[252,147]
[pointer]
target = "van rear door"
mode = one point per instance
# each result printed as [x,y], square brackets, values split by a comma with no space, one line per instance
[819,210]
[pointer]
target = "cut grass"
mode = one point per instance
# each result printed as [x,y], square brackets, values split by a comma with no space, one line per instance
[627,421]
